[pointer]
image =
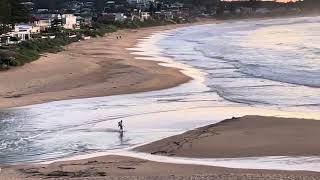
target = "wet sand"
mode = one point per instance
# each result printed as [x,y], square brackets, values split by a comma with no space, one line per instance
[92,68]
[237,137]
[120,168]
[249,136]
[103,66]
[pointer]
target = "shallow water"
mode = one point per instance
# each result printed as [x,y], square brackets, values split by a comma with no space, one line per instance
[269,162]
[267,63]
[65,128]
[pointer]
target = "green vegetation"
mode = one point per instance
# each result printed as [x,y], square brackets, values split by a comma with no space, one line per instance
[4,29]
[12,11]
[27,51]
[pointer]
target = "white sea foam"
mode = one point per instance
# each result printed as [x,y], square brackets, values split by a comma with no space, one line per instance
[65,128]
[274,63]
[269,163]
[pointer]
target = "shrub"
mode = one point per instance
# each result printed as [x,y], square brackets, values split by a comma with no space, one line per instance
[27,51]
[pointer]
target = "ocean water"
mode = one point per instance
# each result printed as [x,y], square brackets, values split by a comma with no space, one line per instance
[272,63]
[266,67]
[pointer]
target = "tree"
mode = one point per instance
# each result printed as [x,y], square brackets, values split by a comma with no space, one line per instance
[4,28]
[311,5]
[220,9]
[18,12]
[49,4]
[4,11]
[152,8]
[12,11]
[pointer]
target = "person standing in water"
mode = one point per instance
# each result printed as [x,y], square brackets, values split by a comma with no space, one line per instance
[120,125]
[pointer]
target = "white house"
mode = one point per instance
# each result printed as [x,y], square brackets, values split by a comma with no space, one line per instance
[144,16]
[140,15]
[140,3]
[44,21]
[69,21]
[22,31]
[43,24]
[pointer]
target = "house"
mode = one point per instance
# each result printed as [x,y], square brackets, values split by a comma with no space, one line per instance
[246,10]
[43,24]
[111,17]
[106,17]
[176,5]
[164,15]
[70,21]
[45,21]
[42,10]
[85,21]
[139,1]
[263,11]
[35,30]
[144,16]
[140,15]
[140,4]
[21,32]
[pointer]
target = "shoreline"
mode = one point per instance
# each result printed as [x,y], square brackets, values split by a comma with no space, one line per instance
[69,75]
[247,136]
[269,136]
[121,167]
[202,140]
[91,68]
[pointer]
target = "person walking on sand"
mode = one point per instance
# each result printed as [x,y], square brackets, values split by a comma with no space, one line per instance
[120,125]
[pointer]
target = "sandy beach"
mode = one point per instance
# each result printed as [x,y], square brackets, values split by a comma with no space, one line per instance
[97,67]
[117,167]
[238,137]
[249,136]
[102,67]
